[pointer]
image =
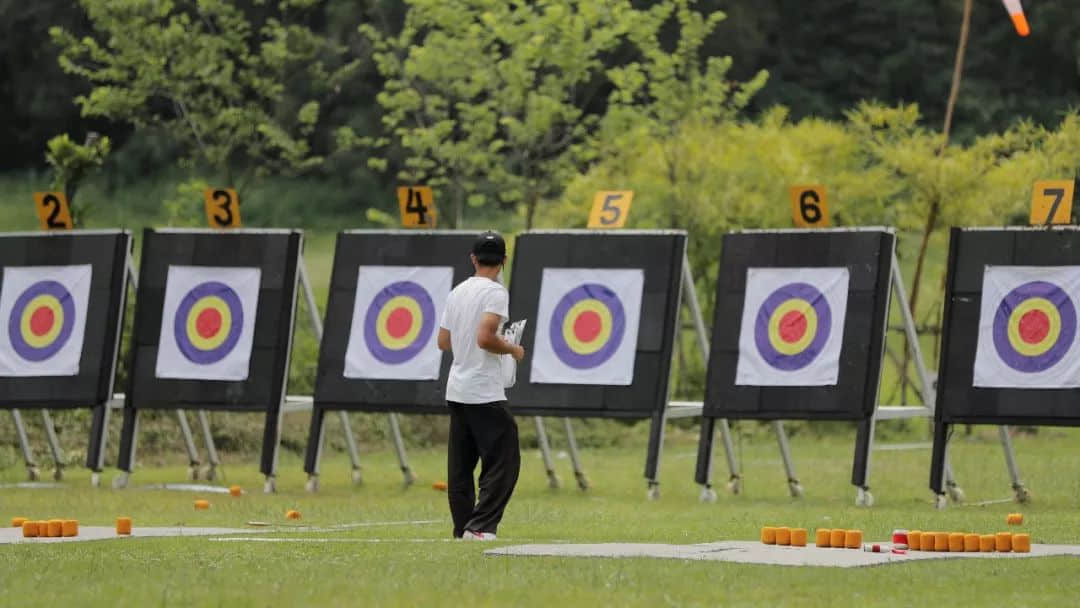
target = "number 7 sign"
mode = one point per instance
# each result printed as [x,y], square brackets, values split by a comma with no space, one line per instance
[1051,202]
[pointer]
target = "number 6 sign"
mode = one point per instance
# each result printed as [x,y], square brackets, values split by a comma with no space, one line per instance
[809,206]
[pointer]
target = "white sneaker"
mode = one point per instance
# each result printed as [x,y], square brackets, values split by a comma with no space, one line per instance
[473,535]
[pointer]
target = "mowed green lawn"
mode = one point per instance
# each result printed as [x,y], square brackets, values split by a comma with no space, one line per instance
[411,565]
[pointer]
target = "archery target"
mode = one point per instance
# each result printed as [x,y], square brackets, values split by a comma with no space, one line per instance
[1027,328]
[792,326]
[395,322]
[208,322]
[587,326]
[43,319]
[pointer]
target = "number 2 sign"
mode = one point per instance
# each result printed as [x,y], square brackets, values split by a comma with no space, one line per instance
[52,210]
[610,208]
[809,206]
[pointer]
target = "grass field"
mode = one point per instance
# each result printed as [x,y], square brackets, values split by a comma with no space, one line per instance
[414,565]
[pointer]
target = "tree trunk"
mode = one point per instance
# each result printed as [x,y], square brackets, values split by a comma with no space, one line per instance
[530,209]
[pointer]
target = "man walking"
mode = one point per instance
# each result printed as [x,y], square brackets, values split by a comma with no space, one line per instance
[481,426]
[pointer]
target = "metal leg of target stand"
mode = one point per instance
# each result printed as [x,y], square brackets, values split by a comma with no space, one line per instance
[575,457]
[32,472]
[99,439]
[210,473]
[794,488]
[545,453]
[54,445]
[399,447]
[129,433]
[1020,491]
[189,445]
[350,445]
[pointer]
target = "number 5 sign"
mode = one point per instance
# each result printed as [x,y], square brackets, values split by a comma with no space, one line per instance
[809,206]
[610,208]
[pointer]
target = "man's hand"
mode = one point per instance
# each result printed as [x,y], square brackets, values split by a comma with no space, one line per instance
[519,352]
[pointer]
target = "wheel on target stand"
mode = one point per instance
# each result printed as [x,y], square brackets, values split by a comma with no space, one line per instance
[940,501]
[58,473]
[1022,494]
[33,473]
[554,482]
[312,484]
[121,480]
[209,472]
[653,493]
[582,481]
[357,477]
[708,495]
[794,488]
[95,480]
[193,471]
[409,477]
[956,493]
[270,485]
[734,485]
[863,497]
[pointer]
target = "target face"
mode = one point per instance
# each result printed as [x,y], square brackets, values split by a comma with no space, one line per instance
[394,320]
[1028,327]
[587,326]
[45,312]
[792,326]
[208,319]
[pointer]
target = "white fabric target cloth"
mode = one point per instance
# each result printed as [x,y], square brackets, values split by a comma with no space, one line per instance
[587,326]
[792,326]
[1028,327]
[208,322]
[43,319]
[395,322]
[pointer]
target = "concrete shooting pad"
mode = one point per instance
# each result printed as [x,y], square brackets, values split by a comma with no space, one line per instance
[752,552]
[9,536]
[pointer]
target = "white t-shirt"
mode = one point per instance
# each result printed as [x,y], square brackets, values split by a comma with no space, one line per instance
[476,375]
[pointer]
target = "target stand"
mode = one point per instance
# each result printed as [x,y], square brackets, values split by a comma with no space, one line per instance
[386,291]
[1009,349]
[61,302]
[213,329]
[602,309]
[800,334]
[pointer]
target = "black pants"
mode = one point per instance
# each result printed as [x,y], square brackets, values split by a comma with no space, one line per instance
[485,432]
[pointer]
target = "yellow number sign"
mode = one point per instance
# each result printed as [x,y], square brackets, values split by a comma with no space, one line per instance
[809,206]
[52,211]
[610,208]
[1051,202]
[222,207]
[417,204]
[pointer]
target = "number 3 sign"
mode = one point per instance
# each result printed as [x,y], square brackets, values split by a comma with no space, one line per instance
[222,207]
[809,206]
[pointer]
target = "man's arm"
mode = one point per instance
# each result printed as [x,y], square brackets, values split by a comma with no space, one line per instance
[488,338]
[444,339]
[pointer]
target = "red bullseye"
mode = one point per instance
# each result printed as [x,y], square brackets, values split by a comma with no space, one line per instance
[399,322]
[792,326]
[1034,326]
[208,323]
[42,320]
[587,326]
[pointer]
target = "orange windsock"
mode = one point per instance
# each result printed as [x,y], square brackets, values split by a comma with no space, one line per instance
[1016,12]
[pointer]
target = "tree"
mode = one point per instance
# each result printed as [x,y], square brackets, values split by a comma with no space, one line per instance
[209,74]
[72,164]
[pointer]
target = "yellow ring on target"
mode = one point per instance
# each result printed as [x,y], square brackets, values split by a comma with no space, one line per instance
[1052,314]
[48,301]
[582,347]
[793,305]
[383,333]
[217,339]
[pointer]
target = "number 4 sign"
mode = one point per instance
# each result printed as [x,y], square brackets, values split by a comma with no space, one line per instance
[417,205]
[610,208]
[809,206]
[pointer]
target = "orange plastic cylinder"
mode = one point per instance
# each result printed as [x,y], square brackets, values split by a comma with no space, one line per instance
[836,538]
[941,541]
[768,535]
[29,529]
[822,537]
[71,527]
[1021,543]
[202,504]
[914,540]
[783,536]
[956,542]
[1003,542]
[853,539]
[56,528]
[1014,519]
[235,491]
[971,543]
[123,525]
[987,542]
[798,537]
[17,522]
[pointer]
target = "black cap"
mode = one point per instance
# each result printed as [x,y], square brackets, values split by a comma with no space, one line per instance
[489,248]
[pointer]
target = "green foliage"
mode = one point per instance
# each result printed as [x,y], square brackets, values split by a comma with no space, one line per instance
[211,76]
[72,163]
